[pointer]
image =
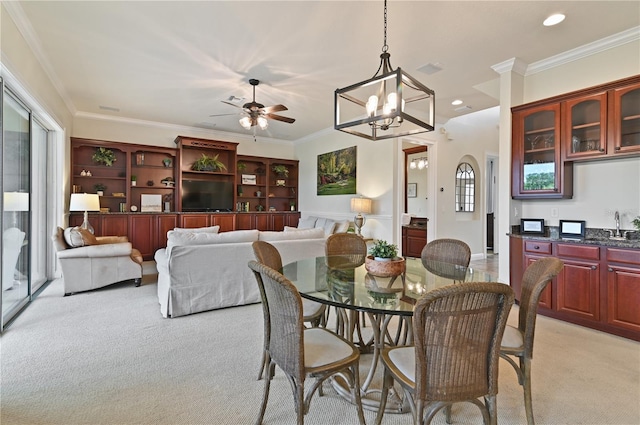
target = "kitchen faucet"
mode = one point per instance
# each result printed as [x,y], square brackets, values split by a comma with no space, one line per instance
[616,216]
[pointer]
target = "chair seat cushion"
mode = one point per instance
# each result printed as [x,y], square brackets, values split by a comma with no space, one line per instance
[404,359]
[323,347]
[512,338]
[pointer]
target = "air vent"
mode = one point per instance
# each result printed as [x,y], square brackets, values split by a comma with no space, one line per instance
[431,68]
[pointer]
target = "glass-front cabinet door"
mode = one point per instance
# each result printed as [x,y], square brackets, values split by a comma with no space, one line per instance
[626,119]
[537,171]
[584,126]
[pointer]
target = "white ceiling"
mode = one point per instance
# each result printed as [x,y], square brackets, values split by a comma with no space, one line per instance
[175,61]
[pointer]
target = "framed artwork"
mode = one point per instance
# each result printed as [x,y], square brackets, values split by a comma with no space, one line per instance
[532,226]
[150,203]
[412,190]
[249,179]
[337,172]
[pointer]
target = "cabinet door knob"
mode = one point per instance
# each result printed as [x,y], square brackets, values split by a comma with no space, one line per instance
[617,148]
[610,269]
[536,247]
[601,149]
[594,267]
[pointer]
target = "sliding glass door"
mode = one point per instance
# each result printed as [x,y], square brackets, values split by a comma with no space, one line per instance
[16,216]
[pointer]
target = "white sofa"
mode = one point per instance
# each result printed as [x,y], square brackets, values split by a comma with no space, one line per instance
[202,270]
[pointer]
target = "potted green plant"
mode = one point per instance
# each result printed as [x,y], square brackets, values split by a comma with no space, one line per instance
[208,163]
[636,222]
[134,180]
[280,170]
[100,188]
[242,166]
[383,251]
[104,156]
[383,260]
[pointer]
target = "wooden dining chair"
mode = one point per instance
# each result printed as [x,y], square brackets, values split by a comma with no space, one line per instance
[457,331]
[313,312]
[452,251]
[302,352]
[517,342]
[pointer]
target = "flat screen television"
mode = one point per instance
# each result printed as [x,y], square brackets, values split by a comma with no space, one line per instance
[201,195]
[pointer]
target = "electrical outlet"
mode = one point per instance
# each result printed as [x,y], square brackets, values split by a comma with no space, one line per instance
[515,211]
[554,212]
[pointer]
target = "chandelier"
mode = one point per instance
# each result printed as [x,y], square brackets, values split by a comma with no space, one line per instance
[389,104]
[419,163]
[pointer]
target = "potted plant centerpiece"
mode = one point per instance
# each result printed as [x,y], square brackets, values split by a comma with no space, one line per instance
[104,156]
[208,163]
[383,260]
[134,180]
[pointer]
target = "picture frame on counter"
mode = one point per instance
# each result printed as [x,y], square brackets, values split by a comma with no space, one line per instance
[532,226]
[572,229]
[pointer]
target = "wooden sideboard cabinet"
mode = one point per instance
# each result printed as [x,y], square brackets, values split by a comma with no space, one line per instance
[414,237]
[598,287]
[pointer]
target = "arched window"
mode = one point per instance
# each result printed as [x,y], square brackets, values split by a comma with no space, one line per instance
[465,188]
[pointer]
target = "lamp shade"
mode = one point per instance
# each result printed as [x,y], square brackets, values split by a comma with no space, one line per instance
[361,205]
[16,201]
[84,202]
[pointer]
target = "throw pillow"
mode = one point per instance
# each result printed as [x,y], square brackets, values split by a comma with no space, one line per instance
[77,237]
[341,226]
[307,223]
[292,235]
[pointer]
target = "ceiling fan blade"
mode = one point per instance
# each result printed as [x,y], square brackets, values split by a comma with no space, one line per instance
[281,118]
[275,108]
[222,115]
[232,104]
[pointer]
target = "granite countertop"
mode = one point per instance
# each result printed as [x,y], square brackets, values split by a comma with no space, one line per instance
[592,237]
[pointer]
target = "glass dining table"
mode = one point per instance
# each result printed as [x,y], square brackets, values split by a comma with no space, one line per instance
[387,302]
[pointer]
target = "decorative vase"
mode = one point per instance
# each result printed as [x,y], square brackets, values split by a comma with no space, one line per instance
[391,267]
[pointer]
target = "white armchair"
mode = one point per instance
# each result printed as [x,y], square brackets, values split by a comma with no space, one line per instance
[109,260]
[12,240]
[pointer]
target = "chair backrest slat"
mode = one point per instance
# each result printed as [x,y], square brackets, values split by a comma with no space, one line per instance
[452,251]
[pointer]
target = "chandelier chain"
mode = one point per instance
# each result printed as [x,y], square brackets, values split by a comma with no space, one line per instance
[385,47]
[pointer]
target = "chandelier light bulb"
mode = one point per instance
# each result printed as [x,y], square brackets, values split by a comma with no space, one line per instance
[263,123]
[422,163]
[372,105]
[392,101]
[245,122]
[413,165]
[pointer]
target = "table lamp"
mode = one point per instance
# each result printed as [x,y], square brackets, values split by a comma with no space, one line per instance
[360,205]
[16,201]
[85,202]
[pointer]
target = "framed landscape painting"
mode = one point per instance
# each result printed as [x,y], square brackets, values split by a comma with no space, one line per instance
[337,172]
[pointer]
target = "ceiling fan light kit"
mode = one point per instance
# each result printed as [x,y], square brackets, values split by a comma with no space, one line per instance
[256,114]
[389,104]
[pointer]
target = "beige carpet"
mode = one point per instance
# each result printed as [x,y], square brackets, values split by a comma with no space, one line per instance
[108,357]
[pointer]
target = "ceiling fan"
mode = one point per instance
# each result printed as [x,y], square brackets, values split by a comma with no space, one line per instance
[256,114]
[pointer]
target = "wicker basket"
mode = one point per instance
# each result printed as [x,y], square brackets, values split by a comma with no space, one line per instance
[394,267]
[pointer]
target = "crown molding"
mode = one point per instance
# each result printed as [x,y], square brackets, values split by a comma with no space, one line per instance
[516,65]
[610,42]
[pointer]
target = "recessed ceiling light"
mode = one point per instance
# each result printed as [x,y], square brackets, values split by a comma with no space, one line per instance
[456,102]
[553,19]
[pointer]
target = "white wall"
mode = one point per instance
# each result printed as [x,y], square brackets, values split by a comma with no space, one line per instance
[377,164]
[473,137]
